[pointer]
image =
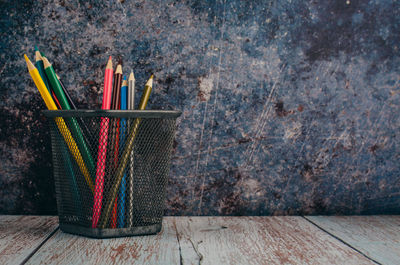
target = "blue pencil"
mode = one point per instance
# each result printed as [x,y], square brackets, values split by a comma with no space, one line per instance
[121,197]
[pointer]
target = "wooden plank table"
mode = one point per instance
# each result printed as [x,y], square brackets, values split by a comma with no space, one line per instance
[21,236]
[211,240]
[377,237]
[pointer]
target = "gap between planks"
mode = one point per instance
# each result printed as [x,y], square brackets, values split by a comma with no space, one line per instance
[341,240]
[39,246]
[179,243]
[257,240]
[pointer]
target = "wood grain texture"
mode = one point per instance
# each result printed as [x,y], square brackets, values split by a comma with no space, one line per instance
[64,248]
[260,240]
[378,237]
[21,235]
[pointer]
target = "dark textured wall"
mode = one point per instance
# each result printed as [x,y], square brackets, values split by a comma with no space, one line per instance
[289,107]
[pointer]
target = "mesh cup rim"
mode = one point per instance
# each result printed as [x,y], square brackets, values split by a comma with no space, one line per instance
[165,114]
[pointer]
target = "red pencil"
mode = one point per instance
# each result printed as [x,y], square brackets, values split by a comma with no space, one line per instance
[56,100]
[102,151]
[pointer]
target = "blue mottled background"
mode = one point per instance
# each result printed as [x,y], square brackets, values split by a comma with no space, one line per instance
[289,107]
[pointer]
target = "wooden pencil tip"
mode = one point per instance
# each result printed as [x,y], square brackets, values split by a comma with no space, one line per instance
[38,57]
[131,76]
[124,82]
[46,62]
[150,81]
[119,69]
[29,63]
[109,63]
[36,48]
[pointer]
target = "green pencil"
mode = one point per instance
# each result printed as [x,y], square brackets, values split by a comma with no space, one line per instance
[40,67]
[74,126]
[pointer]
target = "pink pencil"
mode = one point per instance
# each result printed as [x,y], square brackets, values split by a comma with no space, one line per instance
[101,155]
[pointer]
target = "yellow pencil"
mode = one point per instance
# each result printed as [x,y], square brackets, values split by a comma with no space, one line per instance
[59,121]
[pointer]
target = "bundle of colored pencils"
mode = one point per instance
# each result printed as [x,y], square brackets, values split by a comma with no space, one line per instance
[118,94]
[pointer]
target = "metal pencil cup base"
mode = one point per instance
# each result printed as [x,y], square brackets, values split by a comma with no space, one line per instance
[111,169]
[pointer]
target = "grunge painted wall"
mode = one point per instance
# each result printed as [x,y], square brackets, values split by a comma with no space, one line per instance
[289,107]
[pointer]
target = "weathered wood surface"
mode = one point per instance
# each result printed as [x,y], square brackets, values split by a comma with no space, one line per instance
[64,248]
[260,240]
[21,235]
[210,240]
[378,237]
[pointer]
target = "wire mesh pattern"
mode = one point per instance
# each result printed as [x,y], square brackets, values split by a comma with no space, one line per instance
[131,150]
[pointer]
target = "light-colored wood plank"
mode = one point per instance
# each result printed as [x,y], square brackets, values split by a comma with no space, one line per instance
[378,237]
[21,235]
[65,248]
[260,240]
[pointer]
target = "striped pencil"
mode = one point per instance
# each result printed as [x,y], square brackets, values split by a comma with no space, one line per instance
[102,151]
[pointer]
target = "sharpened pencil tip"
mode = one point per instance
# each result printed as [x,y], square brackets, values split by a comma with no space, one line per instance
[38,57]
[150,81]
[119,69]
[131,76]
[46,62]
[29,63]
[124,78]
[36,48]
[109,63]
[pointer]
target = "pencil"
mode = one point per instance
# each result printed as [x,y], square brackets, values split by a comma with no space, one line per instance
[102,151]
[59,121]
[126,153]
[41,55]
[131,106]
[115,104]
[66,93]
[121,196]
[75,129]
[86,132]
[69,168]
[131,92]
[56,100]
[39,65]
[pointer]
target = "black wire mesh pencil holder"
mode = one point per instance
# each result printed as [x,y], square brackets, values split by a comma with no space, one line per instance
[111,169]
